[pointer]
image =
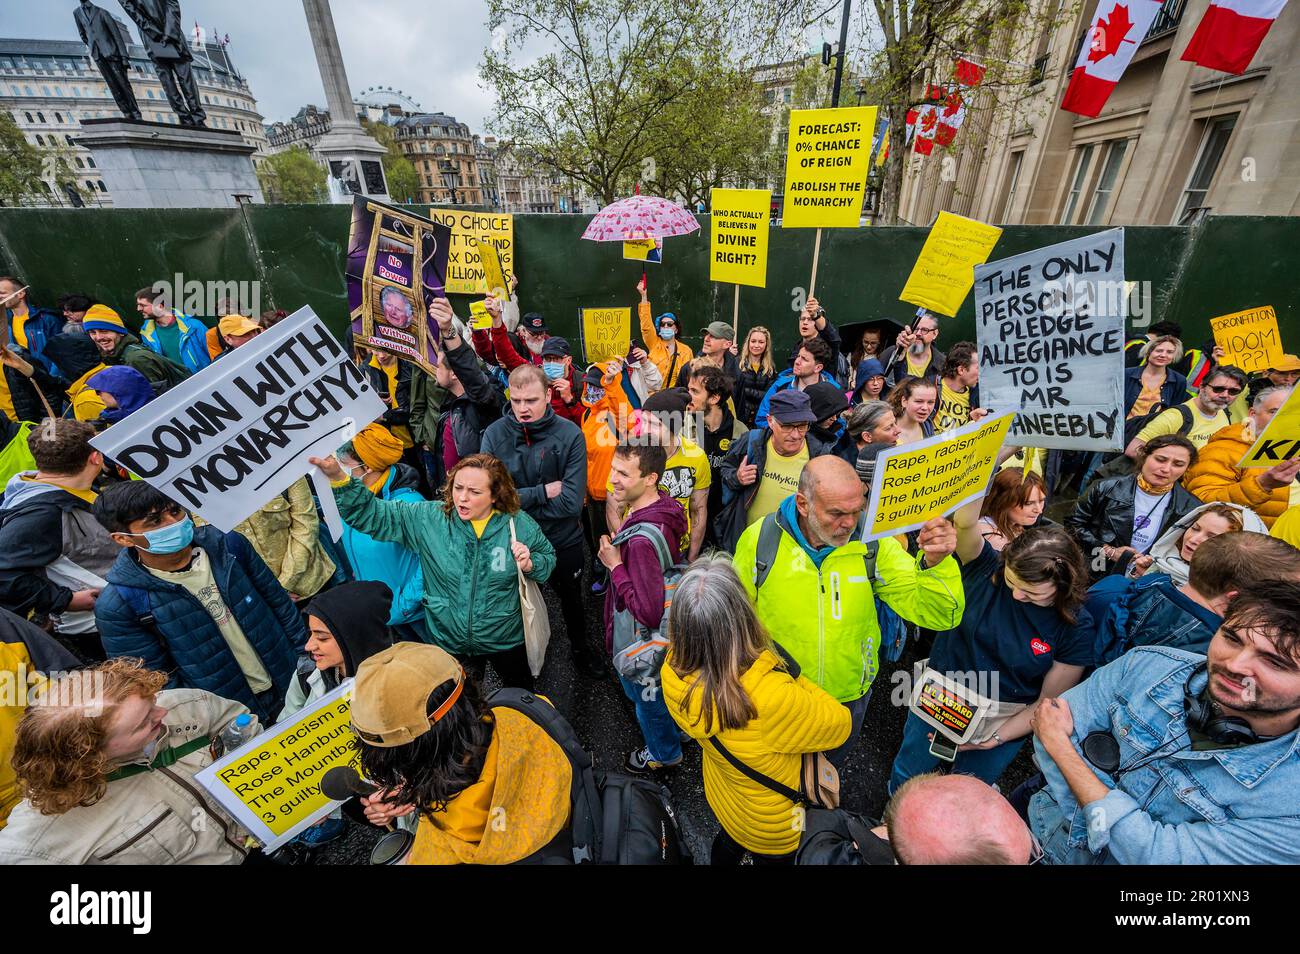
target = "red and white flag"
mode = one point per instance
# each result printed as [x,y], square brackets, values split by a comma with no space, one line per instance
[950,117]
[927,122]
[1230,32]
[1108,49]
[967,72]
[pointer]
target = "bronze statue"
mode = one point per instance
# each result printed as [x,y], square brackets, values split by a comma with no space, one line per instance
[159,22]
[104,37]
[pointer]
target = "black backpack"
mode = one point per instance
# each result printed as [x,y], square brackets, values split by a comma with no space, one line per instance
[616,819]
[839,837]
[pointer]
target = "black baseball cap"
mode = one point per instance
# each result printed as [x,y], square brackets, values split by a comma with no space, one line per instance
[826,400]
[556,347]
[533,322]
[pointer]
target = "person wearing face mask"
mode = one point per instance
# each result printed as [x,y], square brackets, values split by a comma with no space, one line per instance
[552,354]
[1025,636]
[54,555]
[1121,517]
[1216,477]
[609,415]
[662,335]
[110,778]
[196,603]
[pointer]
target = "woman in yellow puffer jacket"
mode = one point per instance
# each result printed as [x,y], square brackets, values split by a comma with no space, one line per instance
[723,679]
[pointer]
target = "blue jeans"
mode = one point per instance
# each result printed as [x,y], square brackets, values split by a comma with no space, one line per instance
[858,710]
[914,757]
[657,726]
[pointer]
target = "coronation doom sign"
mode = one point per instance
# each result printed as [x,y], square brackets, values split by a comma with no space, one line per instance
[1050,325]
[227,440]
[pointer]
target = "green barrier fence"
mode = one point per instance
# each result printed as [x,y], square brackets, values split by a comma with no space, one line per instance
[294,254]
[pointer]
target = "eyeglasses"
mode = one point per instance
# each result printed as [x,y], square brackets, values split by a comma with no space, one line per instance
[1220,389]
[800,427]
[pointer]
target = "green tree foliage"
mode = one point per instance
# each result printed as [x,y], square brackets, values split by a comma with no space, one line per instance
[403,180]
[632,90]
[21,164]
[292,176]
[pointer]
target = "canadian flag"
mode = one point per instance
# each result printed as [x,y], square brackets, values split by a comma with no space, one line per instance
[1229,35]
[927,121]
[967,72]
[1107,51]
[950,117]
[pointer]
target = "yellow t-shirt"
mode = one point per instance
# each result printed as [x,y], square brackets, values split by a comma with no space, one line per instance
[686,472]
[20,328]
[953,410]
[1168,422]
[1144,403]
[914,369]
[198,580]
[481,525]
[779,480]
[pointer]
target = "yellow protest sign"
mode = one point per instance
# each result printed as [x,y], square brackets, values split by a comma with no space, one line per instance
[738,237]
[1280,440]
[272,784]
[945,270]
[932,478]
[465,272]
[1250,338]
[826,166]
[494,276]
[481,319]
[606,333]
[644,250]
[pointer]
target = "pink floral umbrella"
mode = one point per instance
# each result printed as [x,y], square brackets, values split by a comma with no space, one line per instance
[640,217]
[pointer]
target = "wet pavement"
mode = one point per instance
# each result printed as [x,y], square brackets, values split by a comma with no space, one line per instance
[605,722]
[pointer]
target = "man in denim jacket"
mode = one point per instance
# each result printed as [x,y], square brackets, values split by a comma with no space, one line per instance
[1179,797]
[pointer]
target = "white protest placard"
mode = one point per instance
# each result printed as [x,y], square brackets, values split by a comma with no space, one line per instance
[271,785]
[230,438]
[1050,327]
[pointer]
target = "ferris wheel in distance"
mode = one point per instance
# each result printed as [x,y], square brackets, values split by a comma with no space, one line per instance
[380,97]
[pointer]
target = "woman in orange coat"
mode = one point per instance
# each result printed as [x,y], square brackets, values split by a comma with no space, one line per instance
[1216,477]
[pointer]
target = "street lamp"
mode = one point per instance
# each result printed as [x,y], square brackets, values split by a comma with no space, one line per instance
[862,91]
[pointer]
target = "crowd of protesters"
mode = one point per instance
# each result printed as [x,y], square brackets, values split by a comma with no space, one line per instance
[712,501]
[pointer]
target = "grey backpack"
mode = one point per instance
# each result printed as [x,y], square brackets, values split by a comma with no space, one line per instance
[639,650]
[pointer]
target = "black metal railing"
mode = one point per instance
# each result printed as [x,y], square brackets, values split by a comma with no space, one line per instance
[1167,20]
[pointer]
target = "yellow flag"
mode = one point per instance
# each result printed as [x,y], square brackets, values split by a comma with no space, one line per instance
[945,270]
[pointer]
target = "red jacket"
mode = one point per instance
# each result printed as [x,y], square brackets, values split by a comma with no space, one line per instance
[499,350]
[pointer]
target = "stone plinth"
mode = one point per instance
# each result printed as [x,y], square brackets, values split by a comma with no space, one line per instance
[160,166]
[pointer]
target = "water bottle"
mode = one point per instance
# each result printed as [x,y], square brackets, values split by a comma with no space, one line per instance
[240,731]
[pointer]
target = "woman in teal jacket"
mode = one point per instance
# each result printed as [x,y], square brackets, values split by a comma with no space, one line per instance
[471,588]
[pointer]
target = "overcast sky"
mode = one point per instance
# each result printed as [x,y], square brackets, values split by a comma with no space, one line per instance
[430,49]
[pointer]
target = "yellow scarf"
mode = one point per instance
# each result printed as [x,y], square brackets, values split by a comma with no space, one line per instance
[1151,489]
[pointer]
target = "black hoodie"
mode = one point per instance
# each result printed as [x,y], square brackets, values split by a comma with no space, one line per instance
[358,616]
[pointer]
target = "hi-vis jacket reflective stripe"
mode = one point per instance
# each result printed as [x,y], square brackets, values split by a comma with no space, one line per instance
[841,652]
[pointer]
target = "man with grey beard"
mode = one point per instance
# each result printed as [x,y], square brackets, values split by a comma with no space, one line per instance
[914,353]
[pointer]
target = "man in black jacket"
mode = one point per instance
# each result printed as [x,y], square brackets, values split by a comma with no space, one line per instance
[54,555]
[473,403]
[914,353]
[547,457]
